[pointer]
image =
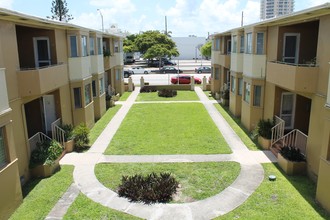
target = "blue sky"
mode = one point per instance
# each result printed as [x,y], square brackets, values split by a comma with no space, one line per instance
[185,17]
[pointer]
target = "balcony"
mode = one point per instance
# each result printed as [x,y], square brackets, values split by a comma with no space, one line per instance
[254,65]
[236,62]
[97,63]
[297,78]
[221,59]
[4,105]
[117,59]
[42,80]
[80,68]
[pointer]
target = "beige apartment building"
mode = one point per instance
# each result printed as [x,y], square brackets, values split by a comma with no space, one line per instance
[280,67]
[50,72]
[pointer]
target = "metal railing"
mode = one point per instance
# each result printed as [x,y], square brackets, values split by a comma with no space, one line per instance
[37,138]
[58,133]
[307,64]
[296,139]
[277,130]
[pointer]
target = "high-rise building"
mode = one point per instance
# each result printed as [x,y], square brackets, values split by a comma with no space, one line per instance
[275,8]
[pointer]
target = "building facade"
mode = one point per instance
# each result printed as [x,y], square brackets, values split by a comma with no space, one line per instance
[49,72]
[280,68]
[189,47]
[275,8]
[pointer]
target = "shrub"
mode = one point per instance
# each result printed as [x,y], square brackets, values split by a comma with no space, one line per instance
[167,93]
[147,89]
[80,134]
[148,189]
[264,128]
[292,154]
[68,131]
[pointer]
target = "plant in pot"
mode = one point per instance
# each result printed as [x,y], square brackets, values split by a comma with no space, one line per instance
[264,131]
[44,159]
[292,161]
[81,139]
[68,137]
[225,97]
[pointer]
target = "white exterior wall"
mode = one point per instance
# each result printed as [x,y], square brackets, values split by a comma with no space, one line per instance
[187,47]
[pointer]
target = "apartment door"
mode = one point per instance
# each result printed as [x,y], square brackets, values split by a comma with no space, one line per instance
[41,51]
[228,47]
[291,47]
[288,104]
[49,111]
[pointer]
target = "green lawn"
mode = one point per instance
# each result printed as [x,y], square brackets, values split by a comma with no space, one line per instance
[178,128]
[237,127]
[198,180]
[102,123]
[84,208]
[181,96]
[43,194]
[125,96]
[289,197]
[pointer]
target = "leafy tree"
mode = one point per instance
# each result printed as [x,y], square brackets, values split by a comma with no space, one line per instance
[206,49]
[129,44]
[60,12]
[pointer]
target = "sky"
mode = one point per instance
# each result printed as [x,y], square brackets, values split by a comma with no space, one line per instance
[184,17]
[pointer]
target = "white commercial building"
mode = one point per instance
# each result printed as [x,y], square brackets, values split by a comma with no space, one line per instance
[275,8]
[188,47]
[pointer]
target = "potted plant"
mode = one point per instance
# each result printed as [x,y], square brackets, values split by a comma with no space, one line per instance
[68,137]
[44,160]
[225,97]
[81,138]
[264,131]
[292,161]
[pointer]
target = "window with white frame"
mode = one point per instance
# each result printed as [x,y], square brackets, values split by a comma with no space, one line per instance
[217,44]
[233,84]
[240,86]
[3,157]
[99,46]
[84,46]
[247,90]
[257,96]
[260,43]
[101,86]
[248,43]
[241,49]
[73,46]
[88,98]
[217,73]
[92,46]
[77,97]
[118,74]
[116,46]
[234,47]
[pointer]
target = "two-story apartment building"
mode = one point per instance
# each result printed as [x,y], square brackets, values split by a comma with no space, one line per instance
[49,72]
[280,67]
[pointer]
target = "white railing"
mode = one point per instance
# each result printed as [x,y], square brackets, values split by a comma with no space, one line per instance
[296,139]
[58,133]
[37,138]
[277,130]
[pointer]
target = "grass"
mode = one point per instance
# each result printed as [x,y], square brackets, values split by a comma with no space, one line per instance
[198,180]
[179,128]
[42,194]
[289,197]
[102,123]
[125,96]
[181,96]
[238,128]
[84,208]
[207,93]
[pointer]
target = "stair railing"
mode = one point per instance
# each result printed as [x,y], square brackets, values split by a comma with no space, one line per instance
[58,133]
[296,139]
[277,130]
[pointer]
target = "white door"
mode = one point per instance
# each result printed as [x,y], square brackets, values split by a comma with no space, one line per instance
[288,104]
[49,111]
[41,51]
[291,47]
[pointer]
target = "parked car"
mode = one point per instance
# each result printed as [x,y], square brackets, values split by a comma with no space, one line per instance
[203,69]
[184,79]
[169,69]
[139,70]
[129,59]
[127,73]
[169,62]
[155,63]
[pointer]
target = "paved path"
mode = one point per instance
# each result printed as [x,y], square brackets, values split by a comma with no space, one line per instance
[250,177]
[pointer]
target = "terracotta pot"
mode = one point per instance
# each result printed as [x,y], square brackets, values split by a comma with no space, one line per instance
[68,146]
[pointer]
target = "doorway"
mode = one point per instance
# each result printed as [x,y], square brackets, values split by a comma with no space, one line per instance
[287,111]
[291,47]
[41,51]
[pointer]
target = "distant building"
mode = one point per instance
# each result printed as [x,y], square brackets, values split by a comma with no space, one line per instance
[188,47]
[275,8]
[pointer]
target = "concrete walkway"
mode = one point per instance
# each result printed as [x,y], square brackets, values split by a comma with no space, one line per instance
[250,177]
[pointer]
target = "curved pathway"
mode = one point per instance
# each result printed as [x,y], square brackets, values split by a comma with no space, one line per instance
[250,177]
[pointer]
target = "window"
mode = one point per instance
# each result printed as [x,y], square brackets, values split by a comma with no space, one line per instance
[116,46]
[101,86]
[241,50]
[257,96]
[260,43]
[234,49]
[73,46]
[240,86]
[99,46]
[249,43]
[3,159]
[94,88]
[77,97]
[217,44]
[247,92]
[92,46]
[88,94]
[84,46]
[233,84]
[217,73]
[118,74]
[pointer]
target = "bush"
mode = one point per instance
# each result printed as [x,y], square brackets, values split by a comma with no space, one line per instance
[80,134]
[148,189]
[292,154]
[167,93]
[68,131]
[264,128]
[147,89]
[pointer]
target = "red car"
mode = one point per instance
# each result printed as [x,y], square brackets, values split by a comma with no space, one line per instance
[184,79]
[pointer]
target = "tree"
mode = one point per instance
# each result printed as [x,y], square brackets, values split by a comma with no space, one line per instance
[206,49]
[60,11]
[129,44]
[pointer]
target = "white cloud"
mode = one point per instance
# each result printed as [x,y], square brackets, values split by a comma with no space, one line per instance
[6,3]
[117,6]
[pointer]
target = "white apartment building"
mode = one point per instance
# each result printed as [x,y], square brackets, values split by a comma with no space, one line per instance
[275,8]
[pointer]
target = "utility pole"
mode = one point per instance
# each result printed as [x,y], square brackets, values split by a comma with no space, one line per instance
[165,25]
[101,18]
[242,18]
